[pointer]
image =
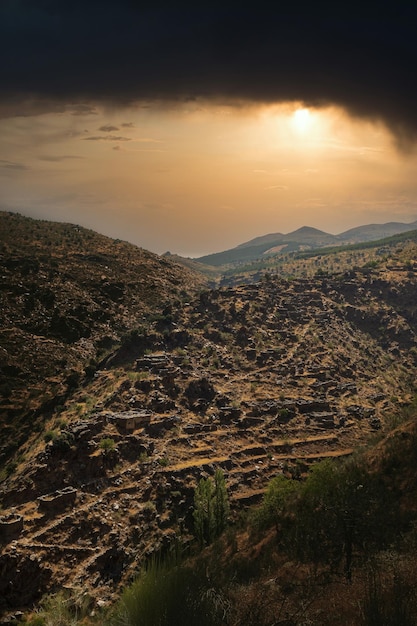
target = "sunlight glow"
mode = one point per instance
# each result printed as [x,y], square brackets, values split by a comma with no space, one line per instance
[301,120]
[166,178]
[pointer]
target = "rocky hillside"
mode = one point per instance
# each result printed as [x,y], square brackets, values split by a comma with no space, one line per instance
[258,380]
[67,295]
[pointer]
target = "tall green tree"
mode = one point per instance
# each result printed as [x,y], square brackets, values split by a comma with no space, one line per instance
[211,508]
[221,502]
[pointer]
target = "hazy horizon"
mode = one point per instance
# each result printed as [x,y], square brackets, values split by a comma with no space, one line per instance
[209,252]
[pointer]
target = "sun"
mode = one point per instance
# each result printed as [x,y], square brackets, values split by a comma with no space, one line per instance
[301,120]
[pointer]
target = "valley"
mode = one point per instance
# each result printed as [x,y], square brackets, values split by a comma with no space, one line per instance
[259,380]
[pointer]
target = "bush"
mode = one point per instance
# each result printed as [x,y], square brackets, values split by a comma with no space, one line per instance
[107,444]
[11,467]
[63,609]
[166,594]
[50,435]
[63,441]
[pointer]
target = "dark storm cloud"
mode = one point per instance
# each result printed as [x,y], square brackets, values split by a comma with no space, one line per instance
[113,52]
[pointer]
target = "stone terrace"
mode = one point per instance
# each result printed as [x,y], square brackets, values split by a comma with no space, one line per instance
[257,380]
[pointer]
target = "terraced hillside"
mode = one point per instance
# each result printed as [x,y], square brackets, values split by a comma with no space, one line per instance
[257,379]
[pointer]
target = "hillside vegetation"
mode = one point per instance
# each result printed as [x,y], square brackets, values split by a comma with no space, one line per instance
[336,545]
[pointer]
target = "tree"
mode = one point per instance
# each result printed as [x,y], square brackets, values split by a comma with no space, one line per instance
[221,502]
[211,508]
[277,504]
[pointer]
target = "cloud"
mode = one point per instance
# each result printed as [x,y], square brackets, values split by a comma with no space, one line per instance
[106,138]
[148,140]
[82,109]
[108,128]
[123,149]
[58,159]
[361,59]
[12,165]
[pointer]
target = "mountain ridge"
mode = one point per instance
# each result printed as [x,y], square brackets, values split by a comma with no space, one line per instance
[303,238]
[381,230]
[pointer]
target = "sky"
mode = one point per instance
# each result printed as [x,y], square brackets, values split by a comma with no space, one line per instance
[195,128]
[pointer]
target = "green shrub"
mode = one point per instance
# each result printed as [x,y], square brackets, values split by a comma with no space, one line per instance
[166,594]
[63,441]
[284,414]
[11,468]
[107,444]
[63,609]
[50,435]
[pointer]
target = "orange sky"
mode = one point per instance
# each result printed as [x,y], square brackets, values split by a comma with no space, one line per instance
[203,178]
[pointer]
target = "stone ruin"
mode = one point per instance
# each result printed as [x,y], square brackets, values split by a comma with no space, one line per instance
[11,525]
[127,422]
[57,500]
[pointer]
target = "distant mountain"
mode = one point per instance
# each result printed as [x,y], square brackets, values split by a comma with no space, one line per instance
[271,238]
[305,234]
[305,238]
[371,232]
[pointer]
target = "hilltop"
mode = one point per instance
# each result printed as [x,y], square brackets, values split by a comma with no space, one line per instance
[259,380]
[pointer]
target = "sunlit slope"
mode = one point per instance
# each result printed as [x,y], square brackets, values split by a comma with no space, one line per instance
[66,295]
